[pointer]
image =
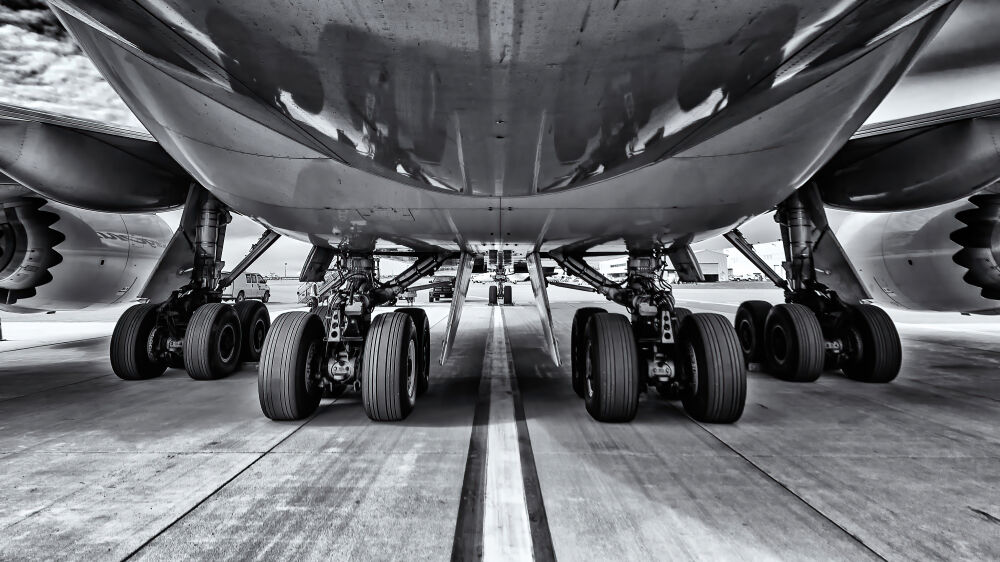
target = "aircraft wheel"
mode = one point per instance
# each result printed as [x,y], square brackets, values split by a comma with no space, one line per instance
[711,358]
[390,367]
[212,342]
[508,295]
[873,345]
[612,369]
[290,365]
[493,295]
[130,358]
[254,323]
[794,343]
[750,320]
[578,348]
[423,327]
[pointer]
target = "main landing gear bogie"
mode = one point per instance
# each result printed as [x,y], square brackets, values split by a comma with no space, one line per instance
[192,329]
[608,359]
[211,345]
[695,358]
[796,344]
[341,345]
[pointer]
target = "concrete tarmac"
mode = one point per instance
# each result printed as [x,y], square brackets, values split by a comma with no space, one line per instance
[92,467]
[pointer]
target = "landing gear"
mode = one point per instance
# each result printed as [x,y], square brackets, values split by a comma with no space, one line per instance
[341,346]
[254,323]
[750,319]
[212,342]
[611,369]
[793,343]
[288,377]
[423,335]
[873,344]
[192,329]
[129,342]
[501,293]
[818,328]
[390,367]
[578,349]
[693,357]
[712,360]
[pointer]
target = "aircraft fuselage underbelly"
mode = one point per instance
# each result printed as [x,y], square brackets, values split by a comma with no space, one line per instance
[466,125]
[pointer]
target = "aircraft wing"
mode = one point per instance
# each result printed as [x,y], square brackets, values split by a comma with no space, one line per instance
[100,167]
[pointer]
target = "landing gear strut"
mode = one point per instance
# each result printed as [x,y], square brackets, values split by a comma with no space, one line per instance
[192,328]
[817,328]
[340,345]
[692,357]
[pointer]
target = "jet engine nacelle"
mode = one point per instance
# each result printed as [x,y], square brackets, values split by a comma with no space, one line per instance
[913,169]
[943,258]
[56,257]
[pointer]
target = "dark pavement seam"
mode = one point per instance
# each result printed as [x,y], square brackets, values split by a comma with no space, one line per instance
[784,487]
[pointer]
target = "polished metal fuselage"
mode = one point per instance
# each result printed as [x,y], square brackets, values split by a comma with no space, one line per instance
[504,123]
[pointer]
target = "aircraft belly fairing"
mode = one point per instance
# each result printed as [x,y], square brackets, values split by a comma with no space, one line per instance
[317,153]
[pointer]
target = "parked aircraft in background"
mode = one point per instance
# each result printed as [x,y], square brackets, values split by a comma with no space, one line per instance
[552,130]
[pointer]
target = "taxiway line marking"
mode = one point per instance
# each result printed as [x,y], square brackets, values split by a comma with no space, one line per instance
[506,526]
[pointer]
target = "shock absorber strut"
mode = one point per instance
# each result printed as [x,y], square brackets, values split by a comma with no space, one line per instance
[796,229]
[209,237]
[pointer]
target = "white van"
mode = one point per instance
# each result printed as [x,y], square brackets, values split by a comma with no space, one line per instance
[247,286]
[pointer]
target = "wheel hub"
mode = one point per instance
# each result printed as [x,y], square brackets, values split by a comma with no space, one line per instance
[779,344]
[411,369]
[227,343]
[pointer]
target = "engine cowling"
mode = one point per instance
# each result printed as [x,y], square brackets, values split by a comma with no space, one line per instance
[56,257]
[944,258]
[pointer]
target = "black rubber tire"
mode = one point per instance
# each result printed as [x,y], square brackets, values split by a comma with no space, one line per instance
[212,342]
[266,297]
[709,351]
[292,356]
[254,323]
[386,365]
[129,357]
[877,351]
[794,343]
[493,295]
[577,343]
[508,295]
[751,318]
[241,296]
[681,313]
[613,389]
[423,327]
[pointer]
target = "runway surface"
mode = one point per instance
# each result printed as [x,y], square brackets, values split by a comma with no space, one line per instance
[93,467]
